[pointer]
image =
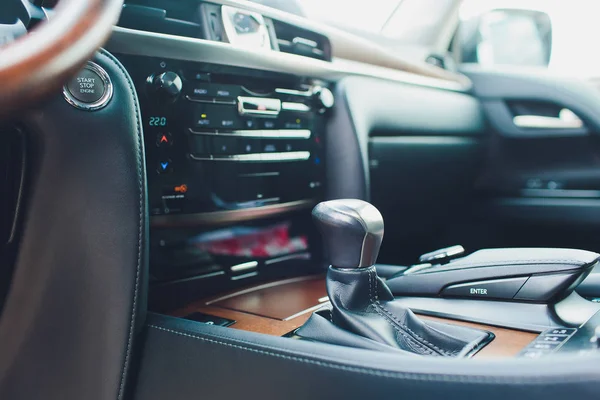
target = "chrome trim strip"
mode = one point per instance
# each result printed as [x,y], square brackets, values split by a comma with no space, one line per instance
[248,275]
[561,193]
[257,157]
[151,44]
[287,134]
[566,119]
[311,309]
[260,134]
[225,217]
[272,107]
[291,156]
[292,92]
[298,107]
[300,256]
[244,266]
[102,101]
[304,41]
[208,100]
[259,174]
[442,254]
[264,286]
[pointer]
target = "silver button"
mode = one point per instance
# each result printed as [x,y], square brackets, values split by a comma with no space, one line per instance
[89,90]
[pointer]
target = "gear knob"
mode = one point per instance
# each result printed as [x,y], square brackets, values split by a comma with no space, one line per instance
[352,232]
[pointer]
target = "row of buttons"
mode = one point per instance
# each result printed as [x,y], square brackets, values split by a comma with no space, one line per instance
[259,157]
[226,117]
[202,91]
[229,145]
[548,342]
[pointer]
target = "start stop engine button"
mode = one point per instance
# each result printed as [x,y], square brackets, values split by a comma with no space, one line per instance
[90,89]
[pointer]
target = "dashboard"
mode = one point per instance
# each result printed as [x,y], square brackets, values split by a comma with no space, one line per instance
[197,145]
[247,126]
[236,156]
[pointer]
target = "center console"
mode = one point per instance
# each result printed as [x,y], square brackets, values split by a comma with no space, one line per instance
[224,139]
[235,161]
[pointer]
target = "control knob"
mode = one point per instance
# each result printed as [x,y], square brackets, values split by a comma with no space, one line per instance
[352,232]
[324,98]
[166,86]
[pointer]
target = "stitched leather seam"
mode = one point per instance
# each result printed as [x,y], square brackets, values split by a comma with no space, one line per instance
[411,341]
[419,338]
[140,220]
[426,377]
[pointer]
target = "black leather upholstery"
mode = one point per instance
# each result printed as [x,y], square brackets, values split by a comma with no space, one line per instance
[487,264]
[69,323]
[68,326]
[188,360]
[363,305]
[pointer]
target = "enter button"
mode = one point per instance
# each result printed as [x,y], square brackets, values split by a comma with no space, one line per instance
[493,289]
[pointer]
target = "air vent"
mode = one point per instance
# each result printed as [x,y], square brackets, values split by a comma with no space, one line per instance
[178,18]
[292,39]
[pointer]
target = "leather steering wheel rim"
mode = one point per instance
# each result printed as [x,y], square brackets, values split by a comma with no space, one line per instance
[37,64]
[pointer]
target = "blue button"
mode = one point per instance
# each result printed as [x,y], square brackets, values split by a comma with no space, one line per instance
[165,167]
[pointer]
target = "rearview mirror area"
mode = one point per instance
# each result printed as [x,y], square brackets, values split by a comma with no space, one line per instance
[515,37]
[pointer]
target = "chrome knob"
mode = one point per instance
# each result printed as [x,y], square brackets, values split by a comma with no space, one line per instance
[167,86]
[324,98]
[352,232]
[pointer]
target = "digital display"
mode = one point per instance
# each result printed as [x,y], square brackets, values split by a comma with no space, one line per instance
[158,121]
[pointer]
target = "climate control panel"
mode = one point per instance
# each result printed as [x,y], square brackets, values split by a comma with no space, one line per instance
[229,141]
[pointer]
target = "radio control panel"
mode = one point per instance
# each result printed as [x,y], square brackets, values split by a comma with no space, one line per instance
[222,139]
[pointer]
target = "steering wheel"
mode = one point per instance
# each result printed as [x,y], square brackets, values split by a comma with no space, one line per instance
[35,64]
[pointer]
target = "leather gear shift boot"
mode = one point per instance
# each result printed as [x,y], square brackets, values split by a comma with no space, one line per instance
[363,311]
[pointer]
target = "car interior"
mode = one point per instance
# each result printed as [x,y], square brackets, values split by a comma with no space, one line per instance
[245,199]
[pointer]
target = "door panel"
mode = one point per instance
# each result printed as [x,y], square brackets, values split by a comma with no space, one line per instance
[539,185]
[498,183]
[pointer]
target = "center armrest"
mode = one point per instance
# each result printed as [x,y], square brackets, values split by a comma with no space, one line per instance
[523,274]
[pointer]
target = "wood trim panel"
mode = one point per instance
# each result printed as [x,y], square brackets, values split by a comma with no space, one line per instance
[507,343]
[250,322]
[277,302]
[277,308]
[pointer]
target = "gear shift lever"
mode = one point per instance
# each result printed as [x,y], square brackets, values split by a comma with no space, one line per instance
[352,231]
[363,312]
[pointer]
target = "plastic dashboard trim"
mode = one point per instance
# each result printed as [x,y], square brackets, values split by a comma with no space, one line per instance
[151,44]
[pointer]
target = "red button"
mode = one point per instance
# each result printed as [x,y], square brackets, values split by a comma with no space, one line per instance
[164,139]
